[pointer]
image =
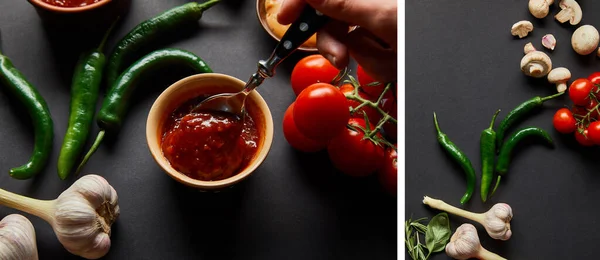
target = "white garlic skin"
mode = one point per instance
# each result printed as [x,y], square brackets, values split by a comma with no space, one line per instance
[83,216]
[464,243]
[17,239]
[497,221]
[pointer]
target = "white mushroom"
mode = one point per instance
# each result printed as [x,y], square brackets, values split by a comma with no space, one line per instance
[571,11]
[536,64]
[521,28]
[549,41]
[539,8]
[585,39]
[528,48]
[559,76]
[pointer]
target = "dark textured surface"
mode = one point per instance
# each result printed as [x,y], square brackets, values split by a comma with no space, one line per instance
[463,63]
[295,206]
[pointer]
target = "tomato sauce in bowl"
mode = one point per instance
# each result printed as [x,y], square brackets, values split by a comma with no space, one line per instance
[71,3]
[208,146]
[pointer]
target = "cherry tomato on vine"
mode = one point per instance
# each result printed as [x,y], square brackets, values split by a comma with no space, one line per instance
[388,174]
[297,139]
[578,111]
[592,109]
[312,69]
[579,91]
[594,132]
[583,139]
[372,113]
[390,106]
[364,79]
[321,111]
[595,79]
[353,154]
[564,122]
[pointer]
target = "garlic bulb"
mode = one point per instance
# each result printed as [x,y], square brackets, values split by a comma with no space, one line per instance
[496,220]
[17,238]
[81,216]
[464,244]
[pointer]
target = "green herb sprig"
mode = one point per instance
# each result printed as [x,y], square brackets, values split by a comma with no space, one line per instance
[436,233]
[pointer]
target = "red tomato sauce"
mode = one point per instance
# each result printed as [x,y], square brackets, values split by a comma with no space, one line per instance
[208,146]
[71,3]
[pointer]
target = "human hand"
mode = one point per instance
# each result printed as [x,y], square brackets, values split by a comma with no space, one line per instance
[373,44]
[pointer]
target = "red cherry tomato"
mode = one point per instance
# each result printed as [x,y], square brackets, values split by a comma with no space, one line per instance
[388,174]
[564,122]
[390,106]
[364,79]
[321,112]
[310,70]
[297,139]
[579,91]
[595,79]
[583,139]
[594,132]
[372,113]
[353,155]
[592,108]
[579,111]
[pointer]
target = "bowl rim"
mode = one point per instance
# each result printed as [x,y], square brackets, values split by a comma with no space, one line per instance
[59,9]
[265,26]
[156,152]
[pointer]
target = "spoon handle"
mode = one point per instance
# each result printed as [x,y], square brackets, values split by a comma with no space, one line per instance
[308,23]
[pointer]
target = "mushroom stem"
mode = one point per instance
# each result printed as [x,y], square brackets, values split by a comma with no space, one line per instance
[487,255]
[535,69]
[562,87]
[443,206]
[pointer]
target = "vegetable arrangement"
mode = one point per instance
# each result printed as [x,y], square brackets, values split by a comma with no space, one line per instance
[349,120]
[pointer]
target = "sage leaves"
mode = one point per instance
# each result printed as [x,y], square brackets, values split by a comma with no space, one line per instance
[437,235]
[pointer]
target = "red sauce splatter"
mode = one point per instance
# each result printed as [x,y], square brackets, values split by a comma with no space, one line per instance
[71,3]
[208,146]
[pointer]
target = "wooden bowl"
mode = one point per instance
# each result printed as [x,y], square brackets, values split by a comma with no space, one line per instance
[102,13]
[262,17]
[192,87]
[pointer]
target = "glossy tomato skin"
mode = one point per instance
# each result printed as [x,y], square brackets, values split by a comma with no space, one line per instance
[592,108]
[583,138]
[595,79]
[354,156]
[388,174]
[321,112]
[579,91]
[372,113]
[389,105]
[364,79]
[296,139]
[594,132]
[564,122]
[312,69]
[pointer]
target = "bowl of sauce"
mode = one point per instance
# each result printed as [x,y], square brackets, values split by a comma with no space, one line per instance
[208,150]
[80,14]
[267,15]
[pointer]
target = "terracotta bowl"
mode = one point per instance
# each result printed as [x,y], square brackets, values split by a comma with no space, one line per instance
[262,17]
[192,87]
[102,13]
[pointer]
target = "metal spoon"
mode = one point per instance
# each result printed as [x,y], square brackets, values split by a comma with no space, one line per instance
[309,22]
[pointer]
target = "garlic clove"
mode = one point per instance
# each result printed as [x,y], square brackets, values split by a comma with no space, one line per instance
[549,41]
[17,238]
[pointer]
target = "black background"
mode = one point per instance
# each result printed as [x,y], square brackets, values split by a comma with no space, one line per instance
[463,63]
[295,206]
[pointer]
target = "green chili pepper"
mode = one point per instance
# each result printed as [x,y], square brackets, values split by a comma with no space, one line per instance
[150,30]
[460,158]
[519,113]
[84,94]
[508,147]
[36,107]
[487,142]
[115,104]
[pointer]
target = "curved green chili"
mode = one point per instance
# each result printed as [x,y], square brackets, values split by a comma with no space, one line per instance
[487,143]
[36,107]
[460,158]
[513,140]
[115,104]
[151,30]
[519,113]
[84,94]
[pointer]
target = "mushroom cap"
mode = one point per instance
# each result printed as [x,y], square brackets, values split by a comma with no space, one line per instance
[536,64]
[521,28]
[571,11]
[539,8]
[585,39]
[560,74]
